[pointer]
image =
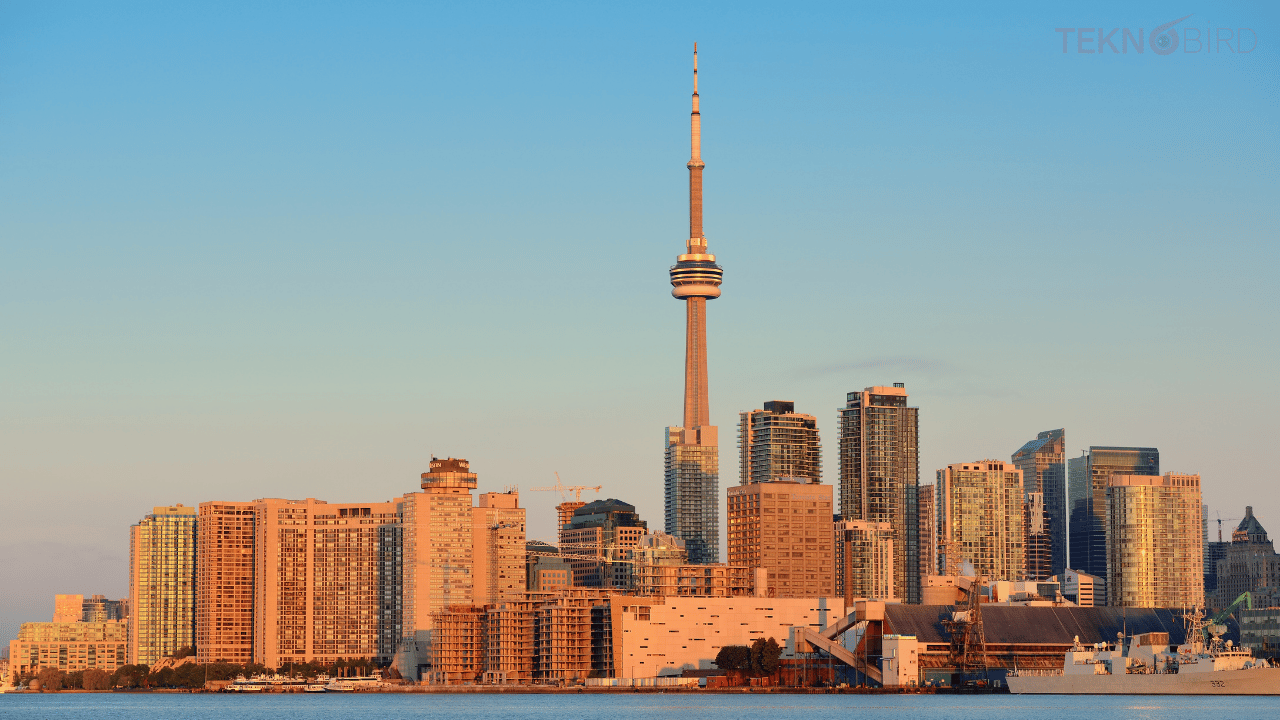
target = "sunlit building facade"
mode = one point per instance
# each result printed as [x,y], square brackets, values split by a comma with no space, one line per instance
[225,541]
[1044,470]
[69,647]
[778,443]
[1155,552]
[880,474]
[980,519]
[784,527]
[162,584]
[1087,479]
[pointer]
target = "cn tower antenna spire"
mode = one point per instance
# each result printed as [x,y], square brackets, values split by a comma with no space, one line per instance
[697,241]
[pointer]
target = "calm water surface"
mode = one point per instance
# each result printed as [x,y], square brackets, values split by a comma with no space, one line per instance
[630,707]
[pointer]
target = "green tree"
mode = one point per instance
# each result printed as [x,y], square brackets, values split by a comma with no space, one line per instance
[765,656]
[734,657]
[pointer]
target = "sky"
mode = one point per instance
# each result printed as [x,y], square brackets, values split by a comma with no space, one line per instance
[297,249]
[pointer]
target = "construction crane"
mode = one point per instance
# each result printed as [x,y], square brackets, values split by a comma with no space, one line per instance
[1220,521]
[564,511]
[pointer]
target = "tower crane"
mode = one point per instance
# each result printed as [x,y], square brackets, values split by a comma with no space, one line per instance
[564,511]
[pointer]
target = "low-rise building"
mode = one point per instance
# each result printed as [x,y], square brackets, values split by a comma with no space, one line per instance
[69,646]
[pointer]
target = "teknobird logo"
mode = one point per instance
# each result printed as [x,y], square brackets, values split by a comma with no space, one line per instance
[1164,38]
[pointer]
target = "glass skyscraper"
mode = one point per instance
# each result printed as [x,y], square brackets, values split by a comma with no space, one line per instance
[1044,470]
[1087,478]
[880,474]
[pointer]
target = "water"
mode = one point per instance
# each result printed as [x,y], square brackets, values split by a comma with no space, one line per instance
[627,706]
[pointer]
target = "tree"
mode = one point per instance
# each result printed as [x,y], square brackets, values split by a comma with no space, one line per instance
[96,680]
[765,656]
[51,679]
[734,657]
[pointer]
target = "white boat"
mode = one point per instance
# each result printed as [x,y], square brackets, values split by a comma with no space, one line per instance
[1148,665]
[339,686]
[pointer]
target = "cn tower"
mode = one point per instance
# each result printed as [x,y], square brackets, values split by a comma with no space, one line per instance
[692,468]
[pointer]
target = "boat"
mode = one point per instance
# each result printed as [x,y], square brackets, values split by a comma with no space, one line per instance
[1148,665]
[339,686]
[314,688]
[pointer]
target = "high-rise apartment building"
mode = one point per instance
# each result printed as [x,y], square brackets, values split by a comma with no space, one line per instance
[68,608]
[1155,552]
[1044,470]
[317,580]
[880,474]
[980,519]
[162,584]
[598,541]
[927,499]
[692,452]
[1087,478]
[225,537]
[97,608]
[438,544]
[499,539]
[784,527]
[778,443]
[864,560]
[1039,543]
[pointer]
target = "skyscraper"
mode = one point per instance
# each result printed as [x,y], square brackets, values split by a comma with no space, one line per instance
[1087,478]
[785,527]
[1155,551]
[224,582]
[316,580]
[980,510]
[692,456]
[162,584]
[880,474]
[1044,470]
[777,442]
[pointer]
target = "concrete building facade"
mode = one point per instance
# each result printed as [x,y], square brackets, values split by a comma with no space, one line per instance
[786,528]
[880,474]
[225,541]
[162,584]
[1249,564]
[1155,552]
[316,580]
[498,531]
[980,519]
[69,647]
[864,560]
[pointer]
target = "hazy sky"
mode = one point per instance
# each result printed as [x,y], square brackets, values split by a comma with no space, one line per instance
[294,251]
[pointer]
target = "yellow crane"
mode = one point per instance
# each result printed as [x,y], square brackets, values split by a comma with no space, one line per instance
[564,511]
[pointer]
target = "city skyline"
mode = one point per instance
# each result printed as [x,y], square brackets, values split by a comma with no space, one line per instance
[223,318]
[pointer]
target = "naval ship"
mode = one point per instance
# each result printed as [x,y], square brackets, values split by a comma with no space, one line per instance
[1148,665]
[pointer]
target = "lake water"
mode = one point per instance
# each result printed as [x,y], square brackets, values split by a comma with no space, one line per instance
[107,706]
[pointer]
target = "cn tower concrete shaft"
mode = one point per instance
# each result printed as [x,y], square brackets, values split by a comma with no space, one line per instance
[695,279]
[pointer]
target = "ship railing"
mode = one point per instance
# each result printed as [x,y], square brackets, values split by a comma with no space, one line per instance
[1036,672]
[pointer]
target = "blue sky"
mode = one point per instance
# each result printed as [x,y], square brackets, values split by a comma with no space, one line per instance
[295,250]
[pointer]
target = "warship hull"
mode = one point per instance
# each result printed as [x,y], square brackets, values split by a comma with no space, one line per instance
[1256,681]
